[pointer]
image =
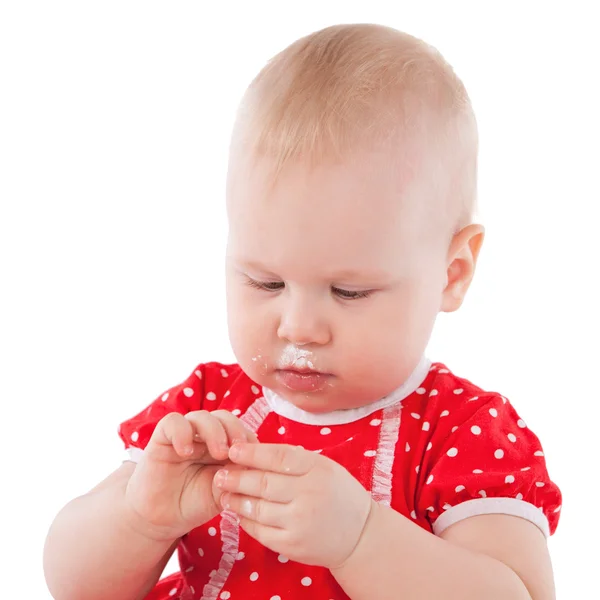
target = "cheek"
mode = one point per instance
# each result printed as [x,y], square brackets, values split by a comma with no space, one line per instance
[249,334]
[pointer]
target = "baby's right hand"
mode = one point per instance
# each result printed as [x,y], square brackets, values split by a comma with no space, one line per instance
[171,490]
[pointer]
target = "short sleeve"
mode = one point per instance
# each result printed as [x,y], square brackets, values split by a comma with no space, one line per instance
[487,461]
[202,390]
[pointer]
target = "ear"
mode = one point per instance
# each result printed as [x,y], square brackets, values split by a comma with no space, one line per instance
[462,259]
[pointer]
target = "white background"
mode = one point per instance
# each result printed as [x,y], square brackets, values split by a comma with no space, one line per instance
[114,126]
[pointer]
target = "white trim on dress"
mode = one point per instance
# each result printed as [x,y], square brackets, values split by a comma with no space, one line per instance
[381,484]
[253,418]
[492,506]
[339,417]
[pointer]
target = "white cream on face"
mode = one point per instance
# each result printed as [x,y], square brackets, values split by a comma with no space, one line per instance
[292,356]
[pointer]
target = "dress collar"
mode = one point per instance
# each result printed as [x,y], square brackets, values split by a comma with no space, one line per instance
[286,409]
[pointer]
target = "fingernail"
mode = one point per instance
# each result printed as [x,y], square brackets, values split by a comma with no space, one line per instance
[234,452]
[221,477]
[224,501]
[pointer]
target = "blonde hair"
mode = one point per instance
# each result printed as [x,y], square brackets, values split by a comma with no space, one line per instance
[336,91]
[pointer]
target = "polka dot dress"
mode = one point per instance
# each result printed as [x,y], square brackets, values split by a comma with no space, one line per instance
[438,451]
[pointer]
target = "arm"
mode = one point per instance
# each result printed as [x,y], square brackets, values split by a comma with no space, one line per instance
[95,551]
[491,556]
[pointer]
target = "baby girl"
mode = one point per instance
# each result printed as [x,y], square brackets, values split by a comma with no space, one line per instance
[333,460]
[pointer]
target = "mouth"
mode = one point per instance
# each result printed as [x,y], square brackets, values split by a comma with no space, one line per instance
[299,379]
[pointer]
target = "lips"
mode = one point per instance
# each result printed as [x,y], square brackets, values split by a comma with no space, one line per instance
[303,380]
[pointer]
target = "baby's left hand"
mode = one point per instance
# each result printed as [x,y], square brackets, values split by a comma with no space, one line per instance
[295,502]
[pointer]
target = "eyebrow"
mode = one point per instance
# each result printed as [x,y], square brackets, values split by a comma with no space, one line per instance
[345,275]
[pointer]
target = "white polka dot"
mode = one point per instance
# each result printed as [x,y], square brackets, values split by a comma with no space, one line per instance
[135,436]
[509,479]
[557,509]
[459,488]
[473,398]
[189,569]
[525,468]
[192,589]
[282,559]
[165,396]
[444,413]
[253,576]
[200,552]
[255,390]
[306,581]
[482,493]
[493,412]
[454,428]
[512,437]
[198,374]
[452,452]
[173,592]
[275,598]
[224,373]
[417,469]
[430,508]
[236,412]
[318,451]
[240,556]
[504,400]
[225,595]
[429,479]
[538,453]
[413,514]
[370,453]
[415,415]
[539,484]
[443,371]
[475,430]
[446,506]
[429,446]
[407,447]
[189,392]
[281,430]
[477,471]
[425,426]
[433,393]
[349,439]
[519,496]
[212,531]
[421,391]
[325,431]
[459,391]
[211,396]
[521,424]
[376,422]
[499,453]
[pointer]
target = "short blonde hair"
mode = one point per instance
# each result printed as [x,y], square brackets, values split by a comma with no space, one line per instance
[347,87]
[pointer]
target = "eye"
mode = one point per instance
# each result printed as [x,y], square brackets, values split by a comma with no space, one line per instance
[347,295]
[268,286]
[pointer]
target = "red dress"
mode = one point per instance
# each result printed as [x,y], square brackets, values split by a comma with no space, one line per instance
[437,450]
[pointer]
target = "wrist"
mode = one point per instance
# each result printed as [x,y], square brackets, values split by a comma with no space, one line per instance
[131,522]
[363,540]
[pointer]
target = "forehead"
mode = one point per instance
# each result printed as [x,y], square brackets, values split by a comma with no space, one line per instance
[357,215]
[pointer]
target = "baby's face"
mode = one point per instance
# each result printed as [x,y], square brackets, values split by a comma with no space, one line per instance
[333,282]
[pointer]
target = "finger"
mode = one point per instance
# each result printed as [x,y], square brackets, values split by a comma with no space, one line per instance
[278,458]
[270,537]
[267,485]
[173,430]
[209,430]
[261,511]
[237,431]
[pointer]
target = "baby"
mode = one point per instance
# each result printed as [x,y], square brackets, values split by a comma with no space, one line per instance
[333,460]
